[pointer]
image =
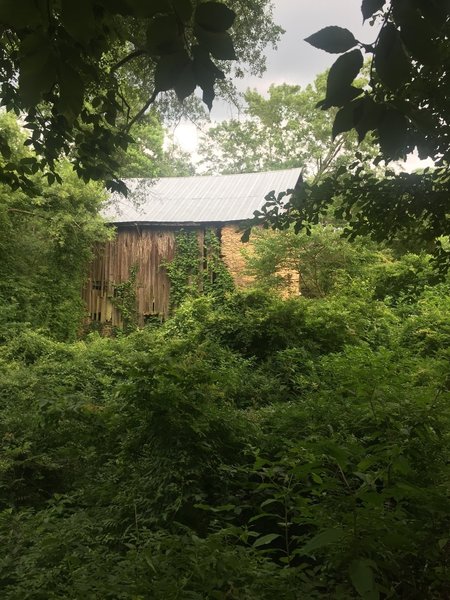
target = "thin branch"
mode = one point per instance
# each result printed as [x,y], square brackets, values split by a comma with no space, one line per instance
[126,59]
[142,111]
[27,212]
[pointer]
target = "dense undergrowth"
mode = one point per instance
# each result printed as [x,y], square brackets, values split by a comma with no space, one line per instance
[255,449]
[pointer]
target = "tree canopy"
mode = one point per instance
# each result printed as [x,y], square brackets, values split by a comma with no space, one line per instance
[281,131]
[405,105]
[77,71]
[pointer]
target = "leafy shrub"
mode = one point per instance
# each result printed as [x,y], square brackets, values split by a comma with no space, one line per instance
[245,450]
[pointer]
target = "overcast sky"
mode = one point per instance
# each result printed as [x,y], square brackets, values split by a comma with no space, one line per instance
[295,61]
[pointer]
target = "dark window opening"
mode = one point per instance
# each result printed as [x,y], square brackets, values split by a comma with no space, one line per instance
[153,319]
[96,285]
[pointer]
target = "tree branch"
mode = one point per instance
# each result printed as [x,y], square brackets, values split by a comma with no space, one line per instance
[141,113]
[126,59]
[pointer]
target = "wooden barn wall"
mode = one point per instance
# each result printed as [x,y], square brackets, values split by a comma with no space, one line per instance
[146,247]
[149,248]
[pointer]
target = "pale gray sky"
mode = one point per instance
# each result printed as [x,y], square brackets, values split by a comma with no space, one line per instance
[295,61]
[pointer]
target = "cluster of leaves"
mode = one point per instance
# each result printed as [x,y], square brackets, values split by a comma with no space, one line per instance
[45,247]
[260,448]
[405,106]
[125,301]
[60,65]
[408,208]
[282,131]
[152,153]
[406,101]
[197,267]
[322,260]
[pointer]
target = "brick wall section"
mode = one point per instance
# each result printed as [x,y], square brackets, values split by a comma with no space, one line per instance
[292,279]
[231,249]
[233,257]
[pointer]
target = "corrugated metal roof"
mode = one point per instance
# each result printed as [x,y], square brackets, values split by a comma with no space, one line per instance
[199,199]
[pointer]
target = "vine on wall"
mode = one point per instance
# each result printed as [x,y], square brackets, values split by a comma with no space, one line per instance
[197,269]
[125,301]
[217,280]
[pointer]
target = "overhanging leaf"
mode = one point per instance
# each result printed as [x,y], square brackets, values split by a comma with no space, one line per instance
[71,93]
[333,39]
[185,83]
[208,96]
[163,36]
[341,75]
[183,8]
[370,7]
[37,69]
[322,539]
[219,44]
[214,16]
[168,70]
[265,539]
[362,578]
[392,134]
[391,62]
[344,120]
[205,71]
[26,13]
[147,8]
[78,19]
[367,116]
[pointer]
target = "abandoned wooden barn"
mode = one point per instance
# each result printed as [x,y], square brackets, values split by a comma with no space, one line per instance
[147,223]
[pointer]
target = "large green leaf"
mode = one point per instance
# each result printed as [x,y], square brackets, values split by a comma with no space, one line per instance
[391,62]
[163,36]
[333,39]
[362,578]
[417,34]
[344,120]
[78,19]
[37,72]
[370,7]
[214,16]
[265,539]
[206,72]
[341,75]
[26,13]
[148,8]
[185,83]
[367,116]
[183,9]
[71,93]
[392,134]
[219,44]
[168,70]
[322,539]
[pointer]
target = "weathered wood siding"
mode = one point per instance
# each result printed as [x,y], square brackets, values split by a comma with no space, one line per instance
[146,247]
[149,248]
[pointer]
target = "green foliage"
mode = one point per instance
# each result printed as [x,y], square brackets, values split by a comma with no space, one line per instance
[147,157]
[124,299]
[45,248]
[216,277]
[279,132]
[404,105]
[393,207]
[83,76]
[197,268]
[245,449]
[322,260]
[404,100]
